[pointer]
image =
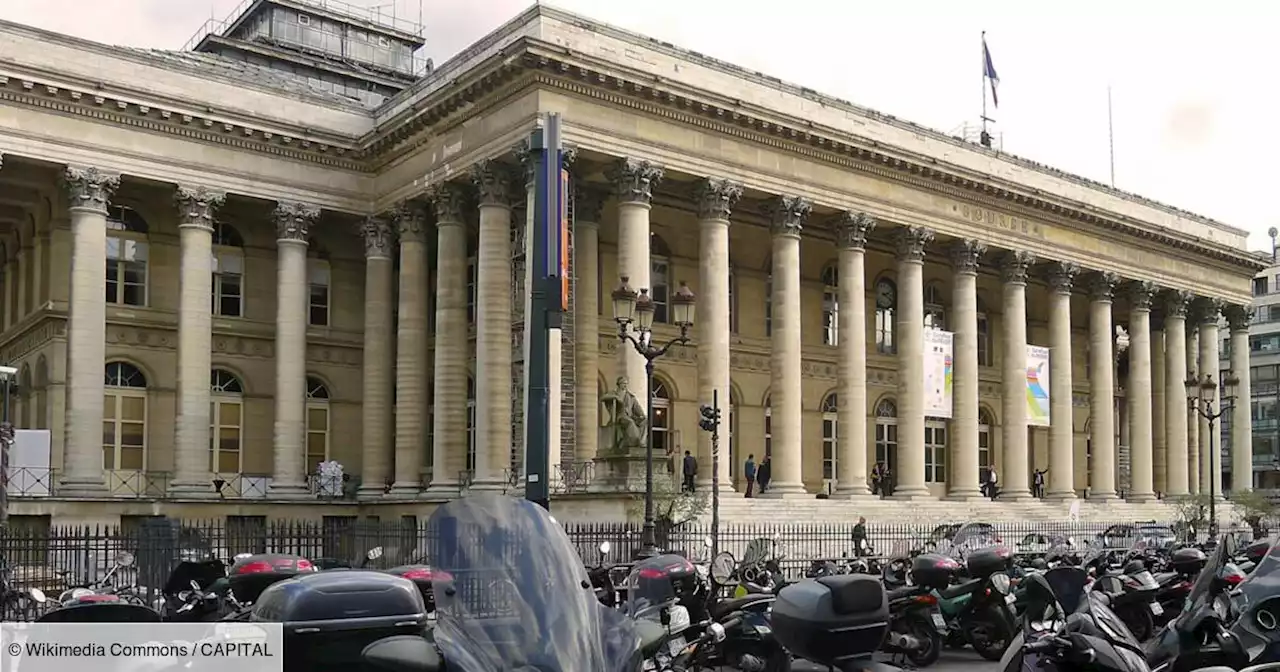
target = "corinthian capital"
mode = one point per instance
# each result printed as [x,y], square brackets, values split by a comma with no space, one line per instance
[1207,310]
[1239,316]
[1014,266]
[1176,303]
[378,237]
[965,255]
[910,242]
[294,220]
[588,204]
[788,214]
[196,207]
[852,229]
[493,180]
[449,201]
[89,187]
[716,197]
[1102,286]
[1062,276]
[1141,294]
[411,221]
[634,180]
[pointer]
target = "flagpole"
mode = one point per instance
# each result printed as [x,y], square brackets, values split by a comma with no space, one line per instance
[1111,138]
[983,56]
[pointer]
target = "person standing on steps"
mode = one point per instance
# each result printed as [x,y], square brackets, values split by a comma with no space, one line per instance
[690,471]
[860,537]
[877,480]
[766,472]
[993,484]
[1037,483]
[749,470]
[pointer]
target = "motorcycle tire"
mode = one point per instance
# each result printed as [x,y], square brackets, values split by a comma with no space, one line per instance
[925,631]
[988,635]
[1139,620]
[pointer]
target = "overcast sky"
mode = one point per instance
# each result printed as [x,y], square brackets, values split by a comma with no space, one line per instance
[1193,95]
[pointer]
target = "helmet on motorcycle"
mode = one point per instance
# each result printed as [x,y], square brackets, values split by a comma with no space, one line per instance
[1039,563]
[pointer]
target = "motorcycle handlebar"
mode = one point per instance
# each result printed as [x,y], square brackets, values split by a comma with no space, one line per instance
[681,664]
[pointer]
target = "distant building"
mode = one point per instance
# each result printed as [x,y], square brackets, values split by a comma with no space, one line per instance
[1264,371]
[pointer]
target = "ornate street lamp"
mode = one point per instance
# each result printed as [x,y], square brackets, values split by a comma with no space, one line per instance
[633,311]
[1200,398]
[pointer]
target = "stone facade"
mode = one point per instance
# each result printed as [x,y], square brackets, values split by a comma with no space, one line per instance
[366,271]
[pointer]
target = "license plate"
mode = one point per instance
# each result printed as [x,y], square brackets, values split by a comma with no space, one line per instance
[1010,599]
[1157,609]
[676,645]
[938,622]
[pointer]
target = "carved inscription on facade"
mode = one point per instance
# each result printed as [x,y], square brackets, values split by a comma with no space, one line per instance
[999,220]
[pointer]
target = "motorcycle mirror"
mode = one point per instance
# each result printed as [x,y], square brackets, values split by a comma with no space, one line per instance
[604,547]
[706,541]
[404,653]
[374,553]
[124,558]
[722,568]
[1071,541]
[38,595]
[241,556]
[195,586]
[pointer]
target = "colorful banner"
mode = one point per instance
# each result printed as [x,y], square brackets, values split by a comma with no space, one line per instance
[937,373]
[1037,386]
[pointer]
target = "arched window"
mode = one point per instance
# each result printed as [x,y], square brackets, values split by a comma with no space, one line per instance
[124,418]
[226,418]
[935,451]
[886,304]
[661,418]
[830,305]
[887,435]
[318,423]
[228,271]
[25,398]
[830,436]
[768,306]
[127,255]
[768,425]
[659,277]
[42,393]
[471,426]
[986,444]
[935,315]
[318,303]
[985,350]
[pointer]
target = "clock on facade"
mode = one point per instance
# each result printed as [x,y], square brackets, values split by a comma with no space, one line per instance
[886,294]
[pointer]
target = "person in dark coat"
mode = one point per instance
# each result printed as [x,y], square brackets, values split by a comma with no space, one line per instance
[749,470]
[766,471]
[690,471]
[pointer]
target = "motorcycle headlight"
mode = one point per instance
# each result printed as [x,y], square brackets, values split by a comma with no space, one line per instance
[1001,583]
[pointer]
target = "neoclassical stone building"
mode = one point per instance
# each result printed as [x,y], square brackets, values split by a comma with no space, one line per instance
[293,276]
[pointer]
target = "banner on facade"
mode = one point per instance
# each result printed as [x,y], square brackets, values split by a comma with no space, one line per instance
[937,373]
[1037,386]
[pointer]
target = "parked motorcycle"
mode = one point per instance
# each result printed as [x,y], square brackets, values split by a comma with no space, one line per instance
[101,602]
[835,621]
[748,643]
[978,610]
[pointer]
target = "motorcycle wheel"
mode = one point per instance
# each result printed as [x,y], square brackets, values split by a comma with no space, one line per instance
[989,636]
[1139,621]
[925,631]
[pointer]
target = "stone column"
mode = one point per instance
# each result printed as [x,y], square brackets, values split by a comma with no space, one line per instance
[494,182]
[192,459]
[1013,425]
[1210,364]
[449,435]
[411,363]
[963,479]
[1138,396]
[716,198]
[1102,389]
[1159,454]
[1062,449]
[1193,419]
[377,428]
[293,228]
[1238,319]
[789,214]
[633,183]
[88,191]
[1175,396]
[910,242]
[587,206]
[10,283]
[852,230]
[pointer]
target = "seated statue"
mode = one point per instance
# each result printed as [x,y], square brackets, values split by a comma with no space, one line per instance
[626,416]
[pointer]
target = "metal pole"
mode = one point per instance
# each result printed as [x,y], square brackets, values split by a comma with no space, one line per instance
[648,542]
[7,384]
[715,475]
[1213,494]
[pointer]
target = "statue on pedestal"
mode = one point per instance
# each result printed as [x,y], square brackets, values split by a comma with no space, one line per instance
[626,422]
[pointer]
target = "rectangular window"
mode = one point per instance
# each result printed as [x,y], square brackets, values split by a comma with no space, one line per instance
[658,290]
[226,418]
[318,280]
[935,453]
[885,344]
[830,446]
[304,20]
[317,435]
[1260,286]
[228,284]
[830,318]
[126,271]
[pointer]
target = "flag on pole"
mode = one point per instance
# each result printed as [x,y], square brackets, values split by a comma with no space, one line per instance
[989,70]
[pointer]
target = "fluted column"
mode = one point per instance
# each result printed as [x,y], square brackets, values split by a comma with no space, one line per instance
[88,191]
[449,435]
[851,420]
[1193,419]
[1238,319]
[411,359]
[789,214]
[1062,472]
[1102,389]
[1175,396]
[1210,364]
[192,460]
[1013,426]
[633,183]
[495,184]
[588,203]
[1159,427]
[1138,396]
[377,430]
[910,242]
[293,227]
[716,198]
[963,479]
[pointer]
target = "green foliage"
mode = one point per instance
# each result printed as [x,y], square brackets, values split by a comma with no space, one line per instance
[672,509]
[1192,513]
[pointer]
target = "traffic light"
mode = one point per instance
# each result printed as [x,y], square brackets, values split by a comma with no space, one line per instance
[710,419]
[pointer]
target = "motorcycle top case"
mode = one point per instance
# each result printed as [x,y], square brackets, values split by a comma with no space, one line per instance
[831,618]
[421,576]
[1187,561]
[250,576]
[663,577]
[96,608]
[987,561]
[203,572]
[1257,550]
[932,570]
[329,617]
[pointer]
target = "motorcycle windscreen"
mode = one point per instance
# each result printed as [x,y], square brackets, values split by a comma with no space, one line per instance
[1201,590]
[1264,582]
[511,592]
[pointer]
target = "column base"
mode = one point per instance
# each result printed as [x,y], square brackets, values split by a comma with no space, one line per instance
[909,493]
[783,491]
[852,492]
[404,489]
[442,490]
[1014,496]
[288,491]
[83,486]
[1141,498]
[1067,496]
[193,489]
[494,484]
[970,495]
[1103,497]
[371,492]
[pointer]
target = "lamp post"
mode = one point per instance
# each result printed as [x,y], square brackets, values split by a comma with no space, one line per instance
[1200,398]
[633,311]
[709,421]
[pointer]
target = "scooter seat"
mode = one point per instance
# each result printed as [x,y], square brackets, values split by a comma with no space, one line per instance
[726,607]
[965,588]
[904,591]
[1165,577]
